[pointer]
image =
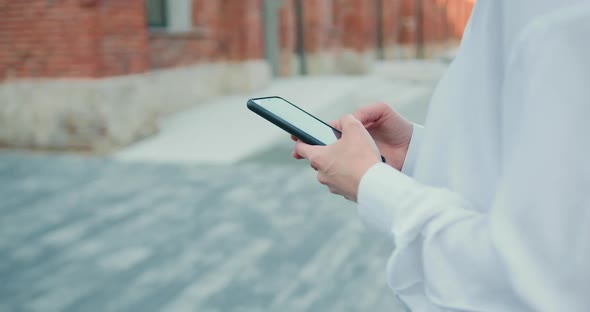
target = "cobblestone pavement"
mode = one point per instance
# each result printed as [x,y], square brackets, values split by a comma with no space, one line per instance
[87,234]
[93,234]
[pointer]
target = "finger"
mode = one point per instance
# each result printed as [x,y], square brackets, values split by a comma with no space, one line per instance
[335,124]
[313,166]
[295,155]
[294,138]
[350,124]
[322,179]
[371,113]
[349,198]
[305,150]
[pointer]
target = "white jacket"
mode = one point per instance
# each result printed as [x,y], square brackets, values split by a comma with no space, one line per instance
[494,212]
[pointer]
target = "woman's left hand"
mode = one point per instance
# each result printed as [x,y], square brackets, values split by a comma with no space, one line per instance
[341,165]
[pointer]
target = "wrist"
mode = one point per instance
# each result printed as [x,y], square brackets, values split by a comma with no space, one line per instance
[370,163]
[412,150]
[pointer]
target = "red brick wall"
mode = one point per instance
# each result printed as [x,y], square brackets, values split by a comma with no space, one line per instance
[458,12]
[173,50]
[317,22]
[391,22]
[123,37]
[72,38]
[442,20]
[47,39]
[224,30]
[407,20]
[240,33]
[356,22]
[433,22]
[199,45]
[352,24]
[97,38]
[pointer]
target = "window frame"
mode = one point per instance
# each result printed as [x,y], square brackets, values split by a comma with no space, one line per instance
[164,16]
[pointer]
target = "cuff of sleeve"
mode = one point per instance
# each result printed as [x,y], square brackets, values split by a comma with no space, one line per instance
[381,195]
[412,154]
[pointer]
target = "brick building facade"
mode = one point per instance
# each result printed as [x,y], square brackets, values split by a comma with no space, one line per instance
[154,57]
[103,38]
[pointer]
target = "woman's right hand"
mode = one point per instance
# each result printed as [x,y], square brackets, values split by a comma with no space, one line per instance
[390,130]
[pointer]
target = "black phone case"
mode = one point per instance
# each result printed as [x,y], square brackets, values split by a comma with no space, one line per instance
[281,123]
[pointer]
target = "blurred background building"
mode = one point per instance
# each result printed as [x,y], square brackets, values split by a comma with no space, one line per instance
[196,204]
[94,75]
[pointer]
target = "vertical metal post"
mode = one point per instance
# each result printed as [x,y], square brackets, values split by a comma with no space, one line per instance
[379,29]
[300,45]
[271,36]
[419,7]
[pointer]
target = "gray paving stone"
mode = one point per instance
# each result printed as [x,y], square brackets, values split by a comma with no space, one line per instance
[91,234]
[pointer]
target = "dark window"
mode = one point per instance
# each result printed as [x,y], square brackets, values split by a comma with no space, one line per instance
[156,13]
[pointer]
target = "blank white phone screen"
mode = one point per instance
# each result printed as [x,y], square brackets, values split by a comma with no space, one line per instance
[299,119]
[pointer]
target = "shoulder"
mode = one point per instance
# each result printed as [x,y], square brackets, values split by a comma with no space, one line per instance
[559,32]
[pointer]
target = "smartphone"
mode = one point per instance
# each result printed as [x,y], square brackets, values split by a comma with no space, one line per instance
[295,120]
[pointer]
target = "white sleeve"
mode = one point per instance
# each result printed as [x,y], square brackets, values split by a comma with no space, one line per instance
[532,250]
[413,149]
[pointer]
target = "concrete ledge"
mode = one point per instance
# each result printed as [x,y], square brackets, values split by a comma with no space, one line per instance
[431,50]
[321,63]
[352,62]
[101,115]
[244,76]
[346,61]
[404,51]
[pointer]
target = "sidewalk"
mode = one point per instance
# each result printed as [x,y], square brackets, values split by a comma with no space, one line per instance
[223,131]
